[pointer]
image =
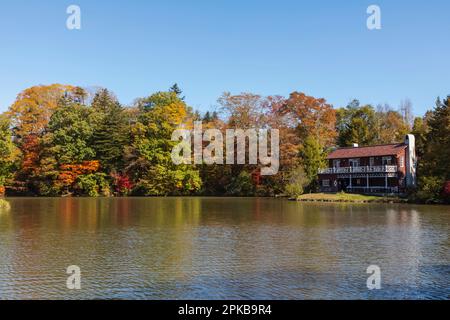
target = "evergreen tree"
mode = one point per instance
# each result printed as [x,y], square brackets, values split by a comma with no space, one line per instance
[437,151]
[176,89]
[207,117]
[111,131]
[420,130]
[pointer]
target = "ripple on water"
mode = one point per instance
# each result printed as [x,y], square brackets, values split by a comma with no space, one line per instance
[221,249]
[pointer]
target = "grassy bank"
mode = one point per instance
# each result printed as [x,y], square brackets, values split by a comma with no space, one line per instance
[346,197]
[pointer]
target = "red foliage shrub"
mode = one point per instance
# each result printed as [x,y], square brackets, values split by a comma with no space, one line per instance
[123,184]
[447,189]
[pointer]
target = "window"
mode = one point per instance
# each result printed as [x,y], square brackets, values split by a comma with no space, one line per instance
[372,161]
[336,163]
[325,183]
[402,161]
[354,163]
[387,161]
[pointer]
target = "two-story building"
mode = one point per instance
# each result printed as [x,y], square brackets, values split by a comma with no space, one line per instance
[382,169]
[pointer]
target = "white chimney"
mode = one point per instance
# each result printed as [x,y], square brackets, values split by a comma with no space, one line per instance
[411,161]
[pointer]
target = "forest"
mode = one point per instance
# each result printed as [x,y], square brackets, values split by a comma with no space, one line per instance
[63,140]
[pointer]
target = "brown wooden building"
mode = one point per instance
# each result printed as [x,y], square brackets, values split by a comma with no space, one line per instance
[382,169]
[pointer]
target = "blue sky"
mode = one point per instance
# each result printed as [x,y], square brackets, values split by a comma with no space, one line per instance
[322,48]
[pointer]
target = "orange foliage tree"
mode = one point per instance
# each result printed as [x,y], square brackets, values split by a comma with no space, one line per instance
[311,117]
[30,114]
[70,172]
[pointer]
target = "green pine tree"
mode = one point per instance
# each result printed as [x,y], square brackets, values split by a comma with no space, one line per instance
[437,150]
[111,131]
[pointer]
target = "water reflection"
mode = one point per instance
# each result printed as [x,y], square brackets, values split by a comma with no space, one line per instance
[182,248]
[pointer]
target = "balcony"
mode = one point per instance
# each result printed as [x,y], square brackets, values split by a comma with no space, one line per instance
[368,169]
[373,190]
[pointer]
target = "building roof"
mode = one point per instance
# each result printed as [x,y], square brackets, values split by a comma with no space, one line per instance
[364,152]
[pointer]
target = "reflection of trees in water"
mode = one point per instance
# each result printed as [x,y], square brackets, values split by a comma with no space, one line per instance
[5,213]
[170,242]
[170,229]
[4,205]
[151,234]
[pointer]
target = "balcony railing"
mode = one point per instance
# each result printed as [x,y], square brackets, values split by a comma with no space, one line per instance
[368,169]
[372,189]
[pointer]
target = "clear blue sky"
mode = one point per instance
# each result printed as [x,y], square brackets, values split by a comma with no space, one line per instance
[319,47]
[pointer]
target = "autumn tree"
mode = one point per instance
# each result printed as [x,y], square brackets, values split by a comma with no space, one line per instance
[243,111]
[149,157]
[33,108]
[311,117]
[30,114]
[392,127]
[307,127]
[66,145]
[216,179]
[8,152]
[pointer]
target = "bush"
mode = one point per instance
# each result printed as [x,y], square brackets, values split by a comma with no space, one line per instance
[296,182]
[446,193]
[122,184]
[294,190]
[48,189]
[430,189]
[93,185]
[242,185]
[161,181]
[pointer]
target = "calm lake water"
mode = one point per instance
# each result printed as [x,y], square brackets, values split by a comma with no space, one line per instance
[212,248]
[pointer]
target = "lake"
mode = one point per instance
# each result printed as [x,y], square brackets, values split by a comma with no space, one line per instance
[222,248]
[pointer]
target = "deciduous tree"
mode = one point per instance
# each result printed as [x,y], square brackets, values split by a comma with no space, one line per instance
[356,124]
[8,152]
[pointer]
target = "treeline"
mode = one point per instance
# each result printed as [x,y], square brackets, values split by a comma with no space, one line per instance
[61,140]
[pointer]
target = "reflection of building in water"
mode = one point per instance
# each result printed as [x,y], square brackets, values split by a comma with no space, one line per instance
[403,242]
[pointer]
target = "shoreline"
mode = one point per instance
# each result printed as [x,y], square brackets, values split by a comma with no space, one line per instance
[306,198]
[351,198]
[388,201]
